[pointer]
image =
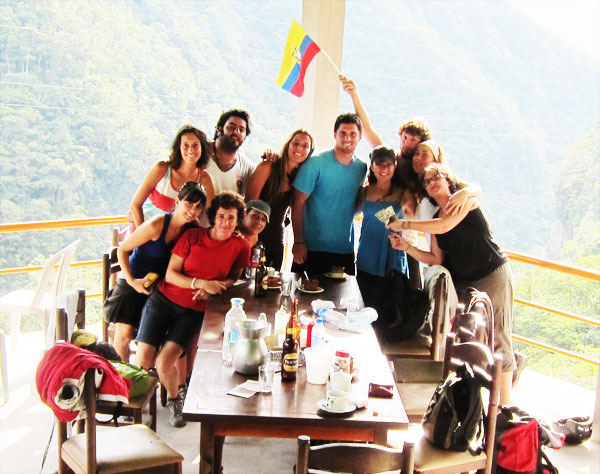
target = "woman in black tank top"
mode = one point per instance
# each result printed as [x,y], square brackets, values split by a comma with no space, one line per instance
[272,183]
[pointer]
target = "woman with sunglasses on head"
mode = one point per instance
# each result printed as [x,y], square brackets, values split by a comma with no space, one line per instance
[204,262]
[272,183]
[376,259]
[187,161]
[464,244]
[145,251]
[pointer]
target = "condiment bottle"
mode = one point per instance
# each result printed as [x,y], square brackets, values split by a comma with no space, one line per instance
[289,350]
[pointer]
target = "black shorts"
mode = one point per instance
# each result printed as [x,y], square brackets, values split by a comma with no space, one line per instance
[124,305]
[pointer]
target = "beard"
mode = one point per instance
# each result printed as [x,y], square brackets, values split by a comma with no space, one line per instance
[408,154]
[227,144]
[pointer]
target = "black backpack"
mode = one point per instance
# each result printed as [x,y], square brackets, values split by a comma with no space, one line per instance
[453,420]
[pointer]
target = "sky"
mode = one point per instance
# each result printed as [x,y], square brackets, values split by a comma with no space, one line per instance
[576,21]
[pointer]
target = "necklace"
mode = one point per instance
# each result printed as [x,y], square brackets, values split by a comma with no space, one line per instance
[388,193]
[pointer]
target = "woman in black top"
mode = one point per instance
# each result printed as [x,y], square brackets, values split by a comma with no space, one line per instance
[464,244]
[272,183]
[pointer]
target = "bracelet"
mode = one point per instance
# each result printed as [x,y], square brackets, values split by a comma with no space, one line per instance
[192,284]
[406,225]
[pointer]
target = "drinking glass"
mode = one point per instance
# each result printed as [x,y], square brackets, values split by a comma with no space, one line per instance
[265,377]
[286,284]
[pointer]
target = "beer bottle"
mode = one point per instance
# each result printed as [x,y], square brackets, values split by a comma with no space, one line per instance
[297,326]
[289,350]
[260,280]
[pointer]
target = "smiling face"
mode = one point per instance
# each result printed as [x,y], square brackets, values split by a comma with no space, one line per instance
[225,223]
[436,184]
[255,221]
[347,137]
[383,170]
[299,149]
[422,158]
[189,210]
[190,148]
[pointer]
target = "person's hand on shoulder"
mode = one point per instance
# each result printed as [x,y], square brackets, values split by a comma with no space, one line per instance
[270,156]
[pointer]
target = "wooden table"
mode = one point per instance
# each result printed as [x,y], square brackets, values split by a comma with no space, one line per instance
[291,408]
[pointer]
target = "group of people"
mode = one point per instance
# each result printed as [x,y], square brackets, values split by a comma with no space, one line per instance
[196,216]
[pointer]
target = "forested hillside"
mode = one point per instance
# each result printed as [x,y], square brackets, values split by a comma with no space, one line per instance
[93,93]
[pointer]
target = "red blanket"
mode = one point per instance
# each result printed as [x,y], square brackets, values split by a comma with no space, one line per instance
[65,365]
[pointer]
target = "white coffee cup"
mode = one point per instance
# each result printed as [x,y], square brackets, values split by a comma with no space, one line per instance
[336,400]
[340,381]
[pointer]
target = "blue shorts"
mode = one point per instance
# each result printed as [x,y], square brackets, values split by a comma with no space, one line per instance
[163,320]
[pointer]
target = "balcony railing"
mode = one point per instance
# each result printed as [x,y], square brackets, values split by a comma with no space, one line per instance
[514,256]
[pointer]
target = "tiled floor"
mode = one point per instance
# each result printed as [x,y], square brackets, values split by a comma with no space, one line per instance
[26,424]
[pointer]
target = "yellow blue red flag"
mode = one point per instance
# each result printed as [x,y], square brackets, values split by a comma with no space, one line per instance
[299,52]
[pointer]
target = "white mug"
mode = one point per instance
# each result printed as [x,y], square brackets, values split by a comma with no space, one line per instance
[336,400]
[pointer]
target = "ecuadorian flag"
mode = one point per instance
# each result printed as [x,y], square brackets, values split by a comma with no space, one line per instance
[299,52]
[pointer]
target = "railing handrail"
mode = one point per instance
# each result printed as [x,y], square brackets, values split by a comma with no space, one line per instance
[61,224]
[552,265]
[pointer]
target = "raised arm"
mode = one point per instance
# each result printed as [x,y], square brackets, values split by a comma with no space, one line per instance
[372,137]
[299,249]
[149,230]
[148,184]
[440,225]
[459,199]
[257,180]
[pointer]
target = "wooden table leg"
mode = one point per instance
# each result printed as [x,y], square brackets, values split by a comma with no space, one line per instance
[207,448]
[218,454]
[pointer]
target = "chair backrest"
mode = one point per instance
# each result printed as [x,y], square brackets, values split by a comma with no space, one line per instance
[89,395]
[353,457]
[58,283]
[110,268]
[63,269]
[487,370]
[440,308]
[476,322]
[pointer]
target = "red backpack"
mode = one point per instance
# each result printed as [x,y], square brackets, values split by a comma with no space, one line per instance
[518,449]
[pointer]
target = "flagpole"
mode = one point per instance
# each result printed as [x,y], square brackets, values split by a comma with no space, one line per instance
[331,61]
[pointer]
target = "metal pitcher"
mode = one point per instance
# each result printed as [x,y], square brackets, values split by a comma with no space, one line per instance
[250,349]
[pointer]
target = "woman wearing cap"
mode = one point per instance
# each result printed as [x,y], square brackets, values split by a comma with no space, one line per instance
[272,182]
[158,191]
[376,259]
[148,251]
[257,217]
[464,244]
[204,262]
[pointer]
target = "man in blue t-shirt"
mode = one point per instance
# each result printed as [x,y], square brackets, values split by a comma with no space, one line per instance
[325,192]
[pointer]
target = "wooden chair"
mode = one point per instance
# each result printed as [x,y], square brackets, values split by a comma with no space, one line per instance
[432,460]
[110,268]
[421,346]
[353,457]
[134,448]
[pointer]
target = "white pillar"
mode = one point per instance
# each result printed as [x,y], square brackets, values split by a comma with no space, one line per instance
[318,107]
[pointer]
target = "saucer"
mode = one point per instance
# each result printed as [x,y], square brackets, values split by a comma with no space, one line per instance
[278,287]
[350,407]
[336,276]
[318,290]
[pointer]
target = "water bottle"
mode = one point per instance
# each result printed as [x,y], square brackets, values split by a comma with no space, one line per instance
[230,331]
[318,333]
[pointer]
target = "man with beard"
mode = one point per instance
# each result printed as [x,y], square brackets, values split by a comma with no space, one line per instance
[228,168]
[325,191]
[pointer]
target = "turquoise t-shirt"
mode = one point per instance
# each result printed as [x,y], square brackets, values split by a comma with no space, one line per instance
[329,209]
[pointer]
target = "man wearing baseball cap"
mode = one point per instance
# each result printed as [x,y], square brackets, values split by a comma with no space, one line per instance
[257,217]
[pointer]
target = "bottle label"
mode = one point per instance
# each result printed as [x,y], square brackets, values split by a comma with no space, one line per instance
[233,337]
[290,362]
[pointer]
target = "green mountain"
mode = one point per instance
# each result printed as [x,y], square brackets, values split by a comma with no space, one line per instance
[93,93]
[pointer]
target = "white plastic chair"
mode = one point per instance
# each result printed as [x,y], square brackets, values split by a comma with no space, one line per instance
[42,300]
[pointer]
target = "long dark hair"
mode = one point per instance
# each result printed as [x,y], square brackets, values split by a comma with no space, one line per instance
[175,158]
[279,168]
